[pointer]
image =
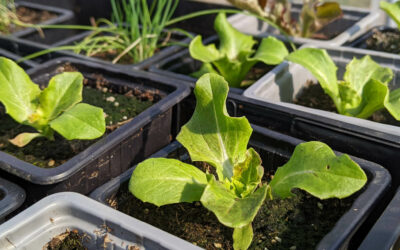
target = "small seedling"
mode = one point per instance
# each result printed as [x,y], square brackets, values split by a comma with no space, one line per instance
[364,88]
[235,56]
[237,191]
[56,108]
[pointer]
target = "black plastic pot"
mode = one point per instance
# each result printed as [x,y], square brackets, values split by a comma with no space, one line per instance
[12,197]
[275,149]
[385,234]
[51,36]
[107,158]
[25,64]
[65,4]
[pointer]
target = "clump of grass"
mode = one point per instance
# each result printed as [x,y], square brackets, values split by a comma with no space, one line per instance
[8,15]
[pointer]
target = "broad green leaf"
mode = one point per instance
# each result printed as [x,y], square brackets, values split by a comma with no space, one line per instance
[166,181]
[372,99]
[392,103]
[360,71]
[315,168]
[328,11]
[23,139]
[63,92]
[393,10]
[232,42]
[319,63]
[18,93]
[242,237]
[83,121]
[212,135]
[203,53]
[271,51]
[350,99]
[229,209]
[204,69]
[247,174]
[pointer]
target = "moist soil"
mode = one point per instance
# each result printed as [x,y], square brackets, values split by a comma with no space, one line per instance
[313,96]
[385,41]
[70,240]
[31,16]
[295,223]
[120,105]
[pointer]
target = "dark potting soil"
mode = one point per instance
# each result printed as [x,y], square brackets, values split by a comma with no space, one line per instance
[31,16]
[120,105]
[313,96]
[70,240]
[299,222]
[385,41]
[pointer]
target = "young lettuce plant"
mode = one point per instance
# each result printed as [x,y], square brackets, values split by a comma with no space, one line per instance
[237,191]
[235,56]
[393,10]
[56,108]
[314,14]
[364,88]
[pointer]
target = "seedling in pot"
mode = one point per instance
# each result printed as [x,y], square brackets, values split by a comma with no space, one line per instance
[57,108]
[237,191]
[364,88]
[235,56]
[313,17]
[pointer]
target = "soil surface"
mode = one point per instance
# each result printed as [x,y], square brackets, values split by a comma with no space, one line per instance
[70,240]
[296,223]
[385,41]
[313,96]
[120,105]
[31,16]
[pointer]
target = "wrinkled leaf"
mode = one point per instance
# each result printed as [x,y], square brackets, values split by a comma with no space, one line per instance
[204,69]
[350,99]
[63,92]
[83,121]
[392,103]
[203,53]
[242,237]
[271,51]
[220,141]
[23,139]
[167,181]
[393,10]
[247,174]
[229,209]
[18,93]
[315,168]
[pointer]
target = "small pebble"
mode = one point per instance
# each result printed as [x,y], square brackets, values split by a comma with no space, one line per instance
[264,237]
[116,104]
[104,90]
[259,241]
[194,243]
[124,117]
[218,245]
[320,206]
[110,99]
[273,241]
[293,248]
[146,211]
[278,239]
[111,122]
[51,163]
[197,204]
[105,115]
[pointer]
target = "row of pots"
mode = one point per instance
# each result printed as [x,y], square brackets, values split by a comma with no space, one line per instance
[154,129]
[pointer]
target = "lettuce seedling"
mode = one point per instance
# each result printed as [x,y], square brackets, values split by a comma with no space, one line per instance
[393,10]
[237,191]
[314,14]
[364,88]
[56,108]
[235,56]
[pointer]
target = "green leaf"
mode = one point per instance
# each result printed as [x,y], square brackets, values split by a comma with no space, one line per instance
[229,209]
[232,42]
[242,237]
[212,135]
[83,121]
[204,69]
[315,168]
[392,103]
[350,99]
[393,10]
[203,53]
[23,139]
[360,71]
[328,11]
[166,181]
[18,93]
[247,174]
[271,51]
[63,92]
[319,63]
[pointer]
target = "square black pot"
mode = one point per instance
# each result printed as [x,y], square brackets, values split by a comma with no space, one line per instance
[12,197]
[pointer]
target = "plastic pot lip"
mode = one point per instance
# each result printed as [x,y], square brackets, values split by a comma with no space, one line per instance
[379,182]
[355,30]
[13,198]
[62,16]
[43,176]
[386,231]
[384,133]
[74,201]
[15,57]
